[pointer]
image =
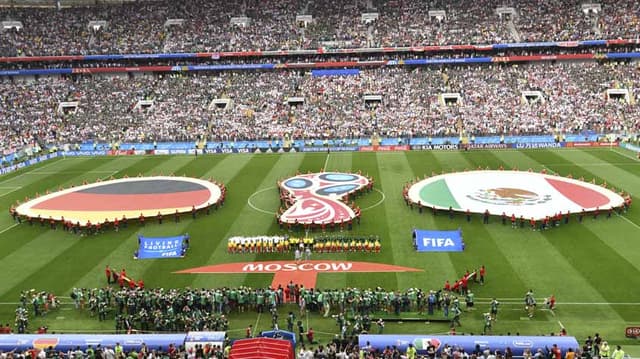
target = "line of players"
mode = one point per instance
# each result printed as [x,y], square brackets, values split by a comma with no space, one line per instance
[318,245]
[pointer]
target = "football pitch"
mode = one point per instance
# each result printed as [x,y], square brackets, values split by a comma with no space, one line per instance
[592,268]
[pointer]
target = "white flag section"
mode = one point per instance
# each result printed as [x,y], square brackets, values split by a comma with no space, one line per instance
[527,194]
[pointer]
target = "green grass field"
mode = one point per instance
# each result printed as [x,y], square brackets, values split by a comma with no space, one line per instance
[593,268]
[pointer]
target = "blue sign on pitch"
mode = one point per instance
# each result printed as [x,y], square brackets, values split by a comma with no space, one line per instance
[162,247]
[438,241]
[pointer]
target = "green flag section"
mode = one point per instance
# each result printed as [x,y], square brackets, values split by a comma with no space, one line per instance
[438,193]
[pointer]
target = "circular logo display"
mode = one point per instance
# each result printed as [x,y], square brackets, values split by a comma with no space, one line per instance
[129,197]
[527,194]
[317,197]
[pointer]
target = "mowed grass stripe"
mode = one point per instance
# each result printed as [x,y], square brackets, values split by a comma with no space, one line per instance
[372,223]
[482,246]
[516,259]
[340,162]
[583,243]
[66,253]
[7,179]
[34,256]
[121,254]
[8,244]
[627,177]
[391,171]
[287,167]
[615,176]
[205,231]
[438,266]
[149,270]
[212,247]
[517,160]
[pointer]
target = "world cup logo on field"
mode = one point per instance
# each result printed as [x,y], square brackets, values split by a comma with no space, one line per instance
[319,198]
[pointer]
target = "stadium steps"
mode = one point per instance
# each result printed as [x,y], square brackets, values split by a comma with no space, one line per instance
[514,32]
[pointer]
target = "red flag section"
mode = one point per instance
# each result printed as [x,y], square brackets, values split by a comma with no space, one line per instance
[581,195]
[303,273]
[264,348]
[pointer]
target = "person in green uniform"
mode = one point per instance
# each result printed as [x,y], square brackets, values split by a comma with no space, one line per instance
[411,352]
[469,300]
[618,353]
[487,324]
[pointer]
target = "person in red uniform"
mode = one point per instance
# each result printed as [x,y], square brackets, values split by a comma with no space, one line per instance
[310,335]
[107,272]
[551,302]
[482,271]
[464,281]
[140,284]
[447,286]
[141,219]
[556,352]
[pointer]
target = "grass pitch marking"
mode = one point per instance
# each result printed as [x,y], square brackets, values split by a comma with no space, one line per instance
[628,220]
[8,228]
[33,169]
[255,327]
[250,204]
[326,162]
[10,191]
[377,203]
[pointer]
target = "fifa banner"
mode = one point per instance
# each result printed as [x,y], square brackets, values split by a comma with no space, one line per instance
[66,342]
[161,247]
[468,342]
[438,241]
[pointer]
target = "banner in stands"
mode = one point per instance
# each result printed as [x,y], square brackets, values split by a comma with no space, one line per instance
[335,72]
[631,147]
[319,51]
[66,342]
[33,161]
[592,144]
[438,241]
[331,149]
[194,339]
[383,148]
[161,247]
[262,66]
[468,342]
[85,153]
[487,146]
[229,150]
[442,147]
[632,332]
[121,152]
[539,145]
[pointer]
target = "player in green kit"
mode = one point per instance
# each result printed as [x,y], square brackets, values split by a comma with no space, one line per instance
[487,323]
[494,309]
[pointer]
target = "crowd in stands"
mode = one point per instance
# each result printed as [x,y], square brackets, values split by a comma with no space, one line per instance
[491,102]
[140,27]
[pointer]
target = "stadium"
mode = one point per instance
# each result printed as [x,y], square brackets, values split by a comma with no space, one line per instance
[319,179]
